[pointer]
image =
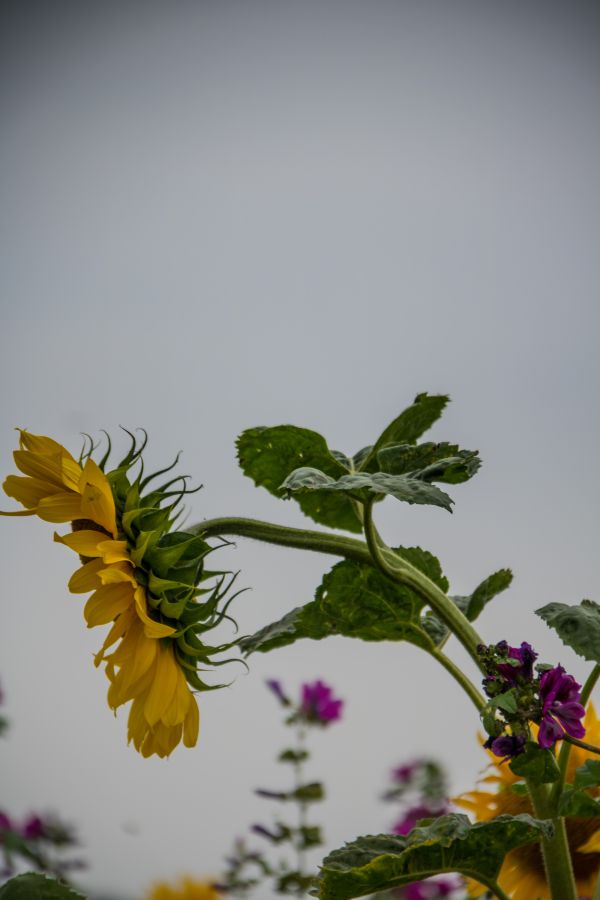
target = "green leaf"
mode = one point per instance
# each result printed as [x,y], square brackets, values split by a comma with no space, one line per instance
[356,600]
[268,455]
[408,427]
[506,701]
[588,775]
[443,462]
[539,766]
[449,844]
[578,804]
[410,488]
[34,886]
[577,626]
[471,605]
[293,756]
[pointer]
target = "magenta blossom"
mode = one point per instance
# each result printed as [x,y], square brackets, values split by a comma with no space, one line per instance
[404,773]
[415,814]
[431,889]
[507,745]
[523,658]
[319,705]
[561,709]
[275,685]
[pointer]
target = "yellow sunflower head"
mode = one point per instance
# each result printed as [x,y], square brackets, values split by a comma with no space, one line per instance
[147,580]
[185,889]
[522,874]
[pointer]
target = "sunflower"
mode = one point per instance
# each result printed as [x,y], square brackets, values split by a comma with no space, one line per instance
[143,576]
[522,873]
[186,889]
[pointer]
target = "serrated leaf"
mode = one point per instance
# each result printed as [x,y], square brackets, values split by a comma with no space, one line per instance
[443,462]
[577,626]
[361,485]
[450,844]
[268,455]
[471,605]
[356,600]
[537,765]
[34,886]
[408,427]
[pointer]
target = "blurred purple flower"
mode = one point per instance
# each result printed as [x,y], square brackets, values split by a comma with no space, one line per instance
[430,889]
[33,828]
[561,709]
[274,685]
[5,824]
[319,705]
[414,814]
[404,773]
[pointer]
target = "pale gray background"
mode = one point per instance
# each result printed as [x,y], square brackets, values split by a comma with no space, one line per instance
[219,215]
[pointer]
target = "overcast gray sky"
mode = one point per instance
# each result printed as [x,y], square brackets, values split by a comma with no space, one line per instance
[225,214]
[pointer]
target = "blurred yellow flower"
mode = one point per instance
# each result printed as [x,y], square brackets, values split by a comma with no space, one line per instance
[143,577]
[186,889]
[522,874]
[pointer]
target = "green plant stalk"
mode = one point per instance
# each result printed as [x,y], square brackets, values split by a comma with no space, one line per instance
[298,773]
[555,850]
[401,571]
[459,676]
[350,548]
[565,750]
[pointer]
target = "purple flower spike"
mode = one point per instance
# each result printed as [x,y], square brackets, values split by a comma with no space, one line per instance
[431,889]
[561,709]
[404,773]
[525,657]
[319,705]
[33,829]
[415,814]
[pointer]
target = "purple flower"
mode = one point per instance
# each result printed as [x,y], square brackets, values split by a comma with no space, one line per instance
[524,657]
[561,709]
[415,814]
[404,773]
[318,703]
[430,889]
[33,828]
[5,823]
[274,685]
[507,745]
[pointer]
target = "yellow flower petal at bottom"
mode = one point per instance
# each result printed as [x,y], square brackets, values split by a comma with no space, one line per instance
[86,579]
[107,603]
[186,889]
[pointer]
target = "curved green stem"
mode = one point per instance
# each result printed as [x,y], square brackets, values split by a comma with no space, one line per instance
[300,538]
[583,744]
[401,571]
[555,850]
[565,750]
[459,676]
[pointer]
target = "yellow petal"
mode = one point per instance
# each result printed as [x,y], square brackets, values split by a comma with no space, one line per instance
[592,845]
[114,551]
[86,579]
[180,703]
[106,603]
[62,507]
[28,491]
[137,727]
[38,443]
[163,686]
[118,573]
[119,628]
[84,542]
[152,629]
[97,501]
[191,725]
[54,469]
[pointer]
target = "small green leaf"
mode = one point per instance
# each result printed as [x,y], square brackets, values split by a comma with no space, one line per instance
[268,455]
[506,701]
[442,462]
[356,600]
[578,804]
[408,427]
[33,886]
[410,488]
[588,775]
[309,793]
[536,764]
[293,756]
[310,836]
[577,626]
[450,844]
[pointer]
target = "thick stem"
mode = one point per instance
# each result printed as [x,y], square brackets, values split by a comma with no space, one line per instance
[459,676]
[401,571]
[299,538]
[565,750]
[555,850]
